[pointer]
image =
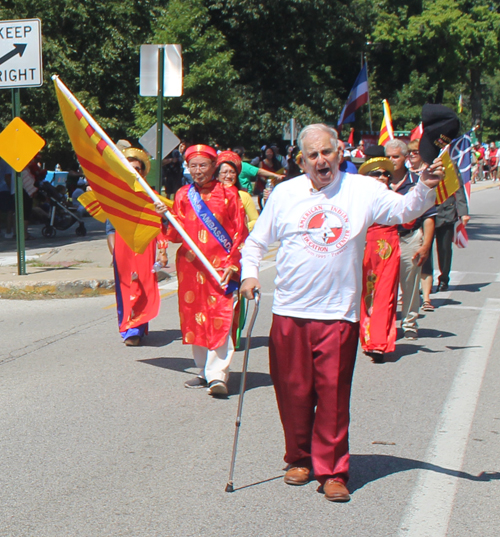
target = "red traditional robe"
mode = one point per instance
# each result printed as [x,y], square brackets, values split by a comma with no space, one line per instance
[380,289]
[206,313]
[138,286]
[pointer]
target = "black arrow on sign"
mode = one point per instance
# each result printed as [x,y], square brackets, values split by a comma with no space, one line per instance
[18,49]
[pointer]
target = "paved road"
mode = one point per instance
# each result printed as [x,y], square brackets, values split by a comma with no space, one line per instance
[102,440]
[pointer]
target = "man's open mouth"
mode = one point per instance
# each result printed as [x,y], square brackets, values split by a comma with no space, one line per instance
[323,172]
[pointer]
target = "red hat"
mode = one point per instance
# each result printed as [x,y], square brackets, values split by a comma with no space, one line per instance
[200,151]
[229,157]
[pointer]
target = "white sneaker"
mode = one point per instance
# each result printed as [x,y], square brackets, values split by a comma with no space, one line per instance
[217,387]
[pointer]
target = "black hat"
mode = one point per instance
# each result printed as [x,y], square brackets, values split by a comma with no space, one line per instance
[441,126]
[376,160]
[374,151]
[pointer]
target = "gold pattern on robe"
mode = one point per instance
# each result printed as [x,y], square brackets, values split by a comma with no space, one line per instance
[200,318]
[201,278]
[181,317]
[192,216]
[218,216]
[206,197]
[189,338]
[216,261]
[190,256]
[180,276]
[189,297]
[218,322]
[203,236]
[211,300]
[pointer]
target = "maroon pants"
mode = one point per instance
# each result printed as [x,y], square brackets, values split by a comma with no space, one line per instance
[312,364]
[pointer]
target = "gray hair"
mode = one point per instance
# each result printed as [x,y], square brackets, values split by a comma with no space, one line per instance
[397,144]
[317,127]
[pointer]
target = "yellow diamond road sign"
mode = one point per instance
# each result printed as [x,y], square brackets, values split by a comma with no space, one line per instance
[19,144]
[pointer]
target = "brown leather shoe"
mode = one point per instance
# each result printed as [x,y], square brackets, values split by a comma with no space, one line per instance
[297,475]
[335,491]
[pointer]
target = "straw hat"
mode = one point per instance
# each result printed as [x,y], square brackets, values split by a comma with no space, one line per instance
[140,155]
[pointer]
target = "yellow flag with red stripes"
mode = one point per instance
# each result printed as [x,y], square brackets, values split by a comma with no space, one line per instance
[450,184]
[112,179]
[92,206]
[386,131]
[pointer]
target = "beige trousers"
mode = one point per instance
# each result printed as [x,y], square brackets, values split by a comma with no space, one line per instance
[409,279]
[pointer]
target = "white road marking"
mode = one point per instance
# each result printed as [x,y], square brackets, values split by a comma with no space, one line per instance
[429,511]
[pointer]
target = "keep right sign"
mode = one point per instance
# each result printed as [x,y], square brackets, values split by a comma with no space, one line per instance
[21,53]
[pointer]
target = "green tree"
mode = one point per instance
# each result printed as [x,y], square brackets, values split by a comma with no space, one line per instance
[210,108]
[94,48]
[436,46]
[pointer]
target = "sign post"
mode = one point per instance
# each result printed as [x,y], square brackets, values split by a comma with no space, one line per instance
[20,67]
[159,115]
[160,76]
[20,238]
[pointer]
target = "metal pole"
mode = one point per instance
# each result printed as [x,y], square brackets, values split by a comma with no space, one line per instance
[159,117]
[230,484]
[20,239]
[369,107]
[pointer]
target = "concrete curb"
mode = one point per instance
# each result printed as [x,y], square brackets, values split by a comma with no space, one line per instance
[70,288]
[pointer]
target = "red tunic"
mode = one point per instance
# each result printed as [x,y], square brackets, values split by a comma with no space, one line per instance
[138,284]
[206,313]
[380,289]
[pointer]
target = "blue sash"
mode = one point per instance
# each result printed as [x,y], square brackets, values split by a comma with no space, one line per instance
[209,220]
[213,225]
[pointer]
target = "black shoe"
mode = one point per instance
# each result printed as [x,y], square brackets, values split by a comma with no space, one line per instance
[442,287]
[196,382]
[376,356]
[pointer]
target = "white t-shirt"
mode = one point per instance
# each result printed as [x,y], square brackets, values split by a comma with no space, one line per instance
[322,235]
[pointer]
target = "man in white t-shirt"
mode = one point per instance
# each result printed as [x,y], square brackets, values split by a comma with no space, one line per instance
[321,219]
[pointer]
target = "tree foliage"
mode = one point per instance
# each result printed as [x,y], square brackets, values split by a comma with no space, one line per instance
[250,66]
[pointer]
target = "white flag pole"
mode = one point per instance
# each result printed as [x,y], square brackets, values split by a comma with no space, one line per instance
[152,194]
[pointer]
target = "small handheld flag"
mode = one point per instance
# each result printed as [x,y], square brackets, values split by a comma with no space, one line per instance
[386,132]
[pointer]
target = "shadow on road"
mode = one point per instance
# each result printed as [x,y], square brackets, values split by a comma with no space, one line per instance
[160,338]
[255,379]
[367,468]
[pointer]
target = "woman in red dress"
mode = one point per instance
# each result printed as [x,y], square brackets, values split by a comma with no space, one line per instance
[380,272]
[207,210]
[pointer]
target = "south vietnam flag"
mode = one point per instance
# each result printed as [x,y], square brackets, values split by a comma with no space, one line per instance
[111,177]
[450,184]
[386,132]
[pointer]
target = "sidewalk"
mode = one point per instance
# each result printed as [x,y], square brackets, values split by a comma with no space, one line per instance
[64,265]
[71,265]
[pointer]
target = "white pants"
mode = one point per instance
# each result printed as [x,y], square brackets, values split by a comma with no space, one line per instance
[214,364]
[409,279]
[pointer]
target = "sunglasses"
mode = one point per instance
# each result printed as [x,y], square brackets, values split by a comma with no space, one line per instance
[380,174]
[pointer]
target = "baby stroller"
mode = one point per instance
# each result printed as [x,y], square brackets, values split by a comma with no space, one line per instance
[60,216]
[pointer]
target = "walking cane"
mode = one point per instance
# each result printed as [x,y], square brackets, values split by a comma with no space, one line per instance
[256,294]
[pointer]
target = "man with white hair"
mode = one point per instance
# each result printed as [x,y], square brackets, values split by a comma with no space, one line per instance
[321,219]
[415,239]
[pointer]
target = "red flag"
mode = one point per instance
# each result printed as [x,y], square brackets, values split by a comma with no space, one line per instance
[351,138]
[417,132]
[460,237]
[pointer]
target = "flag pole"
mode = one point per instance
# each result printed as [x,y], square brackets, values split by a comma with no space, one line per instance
[152,194]
[368,84]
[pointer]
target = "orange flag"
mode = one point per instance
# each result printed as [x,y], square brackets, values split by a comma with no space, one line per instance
[109,174]
[386,132]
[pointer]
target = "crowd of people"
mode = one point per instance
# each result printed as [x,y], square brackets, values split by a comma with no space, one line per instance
[348,241]
[351,241]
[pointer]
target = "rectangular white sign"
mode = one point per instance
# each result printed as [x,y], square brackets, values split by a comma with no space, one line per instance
[21,53]
[149,71]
